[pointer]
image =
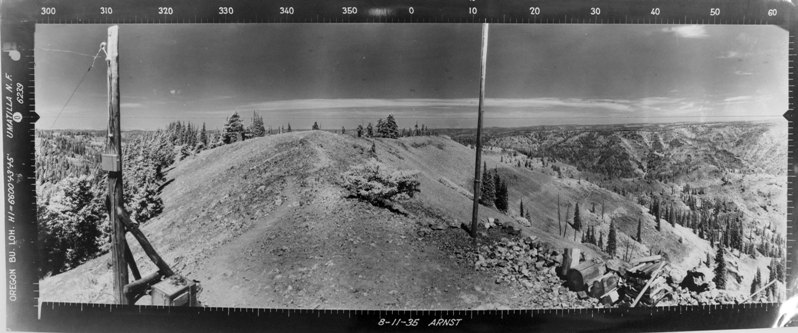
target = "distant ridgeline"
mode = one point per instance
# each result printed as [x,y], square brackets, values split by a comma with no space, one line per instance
[71,187]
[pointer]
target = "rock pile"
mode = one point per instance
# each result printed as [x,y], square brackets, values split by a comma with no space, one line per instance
[530,265]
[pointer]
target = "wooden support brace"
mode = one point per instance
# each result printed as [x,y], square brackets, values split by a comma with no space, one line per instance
[133,228]
[131,262]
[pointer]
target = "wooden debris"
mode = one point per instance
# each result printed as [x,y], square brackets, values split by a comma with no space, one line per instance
[579,276]
[653,275]
[645,259]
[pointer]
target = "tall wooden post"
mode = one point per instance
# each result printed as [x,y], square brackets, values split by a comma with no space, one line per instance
[477,171]
[113,164]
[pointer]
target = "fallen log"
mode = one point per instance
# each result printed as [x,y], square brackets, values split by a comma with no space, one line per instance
[578,277]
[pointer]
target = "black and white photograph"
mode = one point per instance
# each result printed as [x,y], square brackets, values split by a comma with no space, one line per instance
[338,166]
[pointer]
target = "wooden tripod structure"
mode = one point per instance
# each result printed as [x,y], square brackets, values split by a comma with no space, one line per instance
[125,292]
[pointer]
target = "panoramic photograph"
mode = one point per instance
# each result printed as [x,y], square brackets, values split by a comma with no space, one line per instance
[332,166]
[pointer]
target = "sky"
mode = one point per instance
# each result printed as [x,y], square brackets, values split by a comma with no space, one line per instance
[347,74]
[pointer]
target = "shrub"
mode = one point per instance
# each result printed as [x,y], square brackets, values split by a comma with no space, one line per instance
[375,182]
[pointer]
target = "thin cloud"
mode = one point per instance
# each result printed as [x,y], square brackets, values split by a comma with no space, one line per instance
[687,31]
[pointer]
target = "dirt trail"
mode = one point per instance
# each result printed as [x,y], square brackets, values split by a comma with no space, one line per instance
[224,274]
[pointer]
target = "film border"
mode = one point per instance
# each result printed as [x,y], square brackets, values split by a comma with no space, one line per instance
[19,21]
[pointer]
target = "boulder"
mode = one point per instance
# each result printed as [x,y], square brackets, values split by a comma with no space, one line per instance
[694,281]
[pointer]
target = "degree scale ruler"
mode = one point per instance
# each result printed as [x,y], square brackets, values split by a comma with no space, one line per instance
[19,18]
[440,11]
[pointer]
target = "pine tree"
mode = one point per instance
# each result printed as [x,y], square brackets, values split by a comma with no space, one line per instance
[391,129]
[502,197]
[773,275]
[612,240]
[288,129]
[639,229]
[343,130]
[257,128]
[369,130]
[203,136]
[488,191]
[521,208]
[720,269]
[381,128]
[658,211]
[232,128]
[757,281]
[315,126]
[359,130]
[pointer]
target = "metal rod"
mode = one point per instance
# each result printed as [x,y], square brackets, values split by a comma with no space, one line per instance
[477,171]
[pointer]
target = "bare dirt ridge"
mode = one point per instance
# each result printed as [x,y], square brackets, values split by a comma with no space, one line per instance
[267,223]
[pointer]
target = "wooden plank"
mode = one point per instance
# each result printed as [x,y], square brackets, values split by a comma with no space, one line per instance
[113,146]
[648,284]
[645,259]
[132,263]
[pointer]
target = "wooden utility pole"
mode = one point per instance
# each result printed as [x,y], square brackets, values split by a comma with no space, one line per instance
[477,171]
[113,164]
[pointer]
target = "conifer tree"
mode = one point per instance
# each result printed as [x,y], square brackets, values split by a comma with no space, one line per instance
[203,136]
[257,128]
[232,128]
[288,129]
[391,129]
[369,130]
[502,197]
[720,269]
[757,281]
[521,208]
[359,130]
[577,219]
[639,227]
[612,241]
[488,197]
[343,130]
[315,126]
